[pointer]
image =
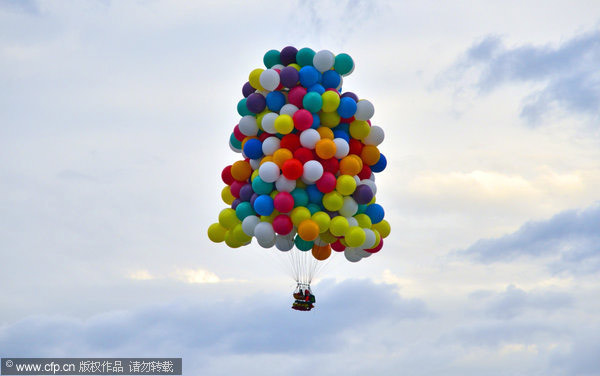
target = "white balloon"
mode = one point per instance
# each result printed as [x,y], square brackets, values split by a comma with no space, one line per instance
[248,126]
[313,170]
[269,79]
[285,185]
[349,207]
[352,222]
[270,145]
[357,180]
[323,60]
[284,243]
[249,224]
[352,255]
[370,239]
[362,253]
[364,110]
[309,138]
[288,109]
[255,163]
[375,137]
[268,122]
[264,234]
[341,148]
[269,172]
[278,66]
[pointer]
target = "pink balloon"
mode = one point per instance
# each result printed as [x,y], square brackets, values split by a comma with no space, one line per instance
[282,224]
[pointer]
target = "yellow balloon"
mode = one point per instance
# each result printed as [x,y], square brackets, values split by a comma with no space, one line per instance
[333,201]
[231,241]
[338,226]
[363,220]
[327,237]
[329,119]
[383,228]
[216,232]
[359,129]
[323,220]
[355,236]
[226,195]
[254,79]
[239,235]
[228,219]
[299,214]
[345,185]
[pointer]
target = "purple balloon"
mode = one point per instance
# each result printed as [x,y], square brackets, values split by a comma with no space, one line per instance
[246,192]
[235,203]
[256,103]
[247,89]
[351,95]
[363,194]
[288,55]
[332,214]
[253,198]
[289,76]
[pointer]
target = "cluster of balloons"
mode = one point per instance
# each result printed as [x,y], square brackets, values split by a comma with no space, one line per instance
[309,157]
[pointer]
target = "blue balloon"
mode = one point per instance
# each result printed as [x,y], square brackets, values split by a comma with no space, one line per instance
[314,195]
[309,76]
[342,127]
[275,100]
[316,121]
[341,134]
[317,87]
[263,205]
[331,79]
[380,165]
[253,148]
[347,107]
[375,212]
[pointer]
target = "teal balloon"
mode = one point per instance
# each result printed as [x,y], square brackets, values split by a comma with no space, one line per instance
[243,210]
[242,109]
[260,187]
[343,64]
[312,102]
[300,197]
[235,142]
[361,209]
[305,56]
[313,208]
[302,244]
[271,58]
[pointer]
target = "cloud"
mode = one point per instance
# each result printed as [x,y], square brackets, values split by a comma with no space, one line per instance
[571,239]
[568,73]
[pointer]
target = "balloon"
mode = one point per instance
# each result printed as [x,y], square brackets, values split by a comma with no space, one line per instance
[253,148]
[292,169]
[331,79]
[305,56]
[312,171]
[309,138]
[256,103]
[288,55]
[271,58]
[312,101]
[308,76]
[288,109]
[282,224]
[321,253]
[343,64]
[303,119]
[296,95]
[370,154]
[269,172]
[333,201]
[285,185]
[275,100]
[269,79]
[349,207]
[284,243]
[330,100]
[283,202]
[284,124]
[216,232]
[249,224]
[308,230]
[345,185]
[323,220]
[364,110]
[363,194]
[327,182]
[323,60]
[289,77]
[375,212]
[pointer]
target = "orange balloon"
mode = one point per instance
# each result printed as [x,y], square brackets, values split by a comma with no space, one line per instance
[325,148]
[282,155]
[308,230]
[349,165]
[325,132]
[370,154]
[241,170]
[321,252]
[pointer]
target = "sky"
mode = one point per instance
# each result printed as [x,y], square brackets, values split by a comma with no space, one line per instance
[114,125]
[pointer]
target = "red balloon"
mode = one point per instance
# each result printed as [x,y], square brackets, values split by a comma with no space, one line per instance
[292,169]
[338,246]
[235,188]
[303,119]
[283,202]
[290,141]
[365,173]
[347,120]
[263,136]
[330,165]
[304,154]
[238,134]
[296,95]
[282,224]
[226,175]
[326,183]
[355,146]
